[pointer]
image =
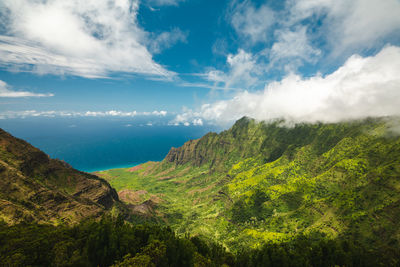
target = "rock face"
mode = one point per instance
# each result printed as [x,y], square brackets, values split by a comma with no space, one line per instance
[34,187]
[185,153]
[245,139]
[266,141]
[219,149]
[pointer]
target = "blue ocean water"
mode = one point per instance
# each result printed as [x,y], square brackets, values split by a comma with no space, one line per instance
[99,144]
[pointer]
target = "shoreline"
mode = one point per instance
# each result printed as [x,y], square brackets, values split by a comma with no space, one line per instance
[124,166]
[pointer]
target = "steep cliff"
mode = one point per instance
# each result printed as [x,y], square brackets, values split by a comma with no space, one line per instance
[262,141]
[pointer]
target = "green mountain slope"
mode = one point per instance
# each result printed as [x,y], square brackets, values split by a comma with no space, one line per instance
[267,182]
[34,187]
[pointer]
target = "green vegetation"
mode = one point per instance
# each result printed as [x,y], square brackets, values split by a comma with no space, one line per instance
[104,243]
[114,242]
[265,184]
[258,194]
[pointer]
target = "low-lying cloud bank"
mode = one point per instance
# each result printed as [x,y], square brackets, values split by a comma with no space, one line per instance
[52,113]
[362,87]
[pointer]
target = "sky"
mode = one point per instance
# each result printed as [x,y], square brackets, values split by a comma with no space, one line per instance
[196,62]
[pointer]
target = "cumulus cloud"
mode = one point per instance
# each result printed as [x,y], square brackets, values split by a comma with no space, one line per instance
[242,71]
[252,23]
[292,45]
[363,86]
[161,113]
[197,122]
[184,117]
[6,91]
[304,31]
[91,38]
[187,118]
[112,113]
[349,25]
[52,113]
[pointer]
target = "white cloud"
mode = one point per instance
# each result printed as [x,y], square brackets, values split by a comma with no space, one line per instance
[349,25]
[305,30]
[243,70]
[166,40]
[252,23]
[112,113]
[186,117]
[5,91]
[210,76]
[52,113]
[363,86]
[197,122]
[291,45]
[164,2]
[161,113]
[183,117]
[91,38]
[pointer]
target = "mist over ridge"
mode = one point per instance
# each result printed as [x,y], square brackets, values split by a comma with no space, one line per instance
[362,87]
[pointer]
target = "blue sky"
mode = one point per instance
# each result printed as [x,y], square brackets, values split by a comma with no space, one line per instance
[200,61]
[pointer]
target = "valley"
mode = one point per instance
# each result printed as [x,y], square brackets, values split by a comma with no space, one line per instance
[257,194]
[260,183]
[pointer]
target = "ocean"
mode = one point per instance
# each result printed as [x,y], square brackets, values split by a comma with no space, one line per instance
[93,144]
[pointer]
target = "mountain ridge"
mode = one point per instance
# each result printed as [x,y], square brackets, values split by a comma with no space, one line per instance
[252,133]
[35,187]
[264,182]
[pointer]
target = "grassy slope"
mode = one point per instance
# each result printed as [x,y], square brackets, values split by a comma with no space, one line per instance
[262,182]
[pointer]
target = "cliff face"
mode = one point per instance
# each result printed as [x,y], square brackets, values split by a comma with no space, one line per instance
[264,141]
[186,153]
[34,187]
[219,149]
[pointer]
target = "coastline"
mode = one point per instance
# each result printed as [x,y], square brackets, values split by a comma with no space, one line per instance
[112,167]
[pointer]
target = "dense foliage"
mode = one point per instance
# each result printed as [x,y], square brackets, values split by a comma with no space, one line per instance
[113,242]
[104,243]
[318,251]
